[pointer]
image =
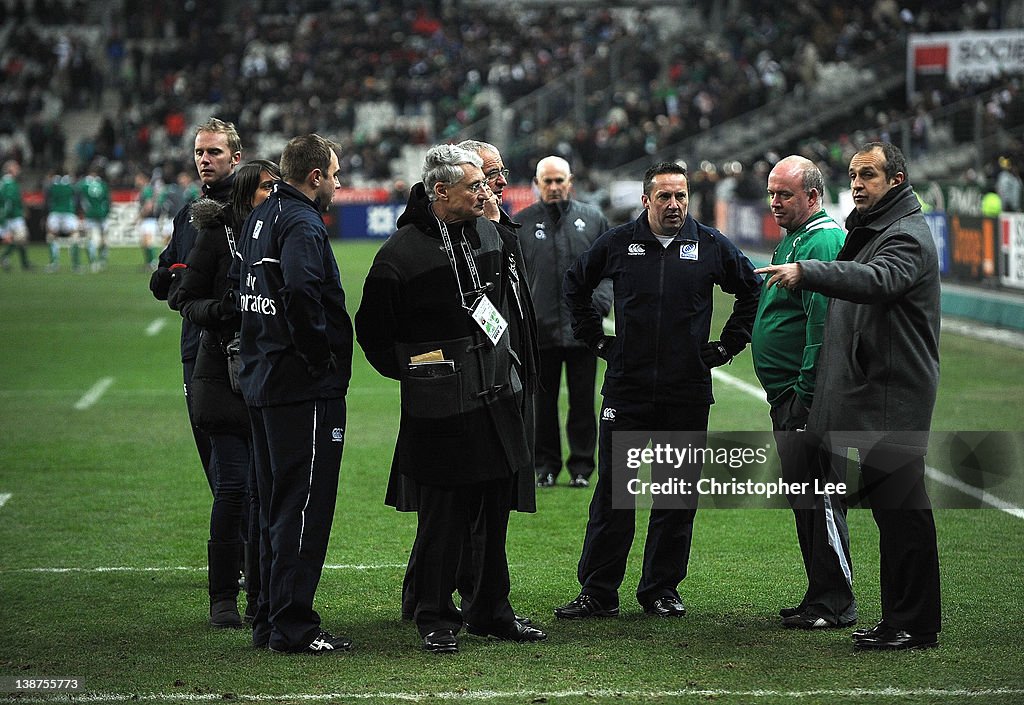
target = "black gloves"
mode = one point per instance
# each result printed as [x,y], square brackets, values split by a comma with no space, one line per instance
[603,345]
[229,305]
[162,278]
[713,353]
[160,283]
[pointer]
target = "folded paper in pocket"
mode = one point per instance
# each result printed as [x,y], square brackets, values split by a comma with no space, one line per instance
[432,356]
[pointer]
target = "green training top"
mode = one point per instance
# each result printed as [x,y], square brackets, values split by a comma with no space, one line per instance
[60,195]
[10,199]
[789,325]
[147,201]
[95,196]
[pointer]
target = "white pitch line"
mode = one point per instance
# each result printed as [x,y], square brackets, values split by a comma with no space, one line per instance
[972,491]
[750,389]
[931,472]
[840,695]
[4,496]
[186,568]
[156,326]
[95,392]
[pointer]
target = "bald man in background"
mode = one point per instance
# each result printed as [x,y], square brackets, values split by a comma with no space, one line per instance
[555,231]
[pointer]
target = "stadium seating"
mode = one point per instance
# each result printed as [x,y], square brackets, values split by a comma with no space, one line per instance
[608,88]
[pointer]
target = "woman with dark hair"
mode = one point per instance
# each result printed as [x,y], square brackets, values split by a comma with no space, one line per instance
[202,293]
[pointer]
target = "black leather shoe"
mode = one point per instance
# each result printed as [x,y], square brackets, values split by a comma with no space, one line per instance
[513,631]
[790,611]
[667,606]
[441,641]
[872,632]
[808,620]
[583,607]
[897,640]
[546,479]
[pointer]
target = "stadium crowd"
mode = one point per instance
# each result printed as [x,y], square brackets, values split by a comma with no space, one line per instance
[413,74]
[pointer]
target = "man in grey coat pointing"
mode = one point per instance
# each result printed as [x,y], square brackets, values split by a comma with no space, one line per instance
[877,381]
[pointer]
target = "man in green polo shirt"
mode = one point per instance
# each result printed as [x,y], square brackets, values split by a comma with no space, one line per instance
[786,340]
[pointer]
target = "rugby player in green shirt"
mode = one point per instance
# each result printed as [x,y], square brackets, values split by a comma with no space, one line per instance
[13,230]
[94,197]
[62,221]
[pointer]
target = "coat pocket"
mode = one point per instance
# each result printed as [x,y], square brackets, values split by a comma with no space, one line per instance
[432,401]
[857,358]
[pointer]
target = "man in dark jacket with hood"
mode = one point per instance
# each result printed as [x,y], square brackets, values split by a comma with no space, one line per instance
[441,312]
[296,352]
[878,375]
[218,149]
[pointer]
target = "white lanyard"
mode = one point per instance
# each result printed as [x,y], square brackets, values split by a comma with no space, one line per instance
[231,239]
[482,311]
[467,253]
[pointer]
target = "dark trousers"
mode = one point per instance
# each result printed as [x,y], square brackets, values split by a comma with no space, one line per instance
[297,449]
[821,527]
[202,439]
[253,576]
[580,426]
[894,486]
[229,515]
[463,578]
[446,517]
[610,529]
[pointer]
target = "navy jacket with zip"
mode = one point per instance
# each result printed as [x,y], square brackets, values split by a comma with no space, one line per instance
[296,337]
[663,305]
[177,250]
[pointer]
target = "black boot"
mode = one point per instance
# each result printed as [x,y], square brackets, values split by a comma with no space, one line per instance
[223,576]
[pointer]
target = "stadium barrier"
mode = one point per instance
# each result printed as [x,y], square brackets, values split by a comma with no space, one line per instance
[973,249]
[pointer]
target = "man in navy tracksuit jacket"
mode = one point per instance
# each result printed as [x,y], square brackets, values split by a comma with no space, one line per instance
[296,351]
[664,267]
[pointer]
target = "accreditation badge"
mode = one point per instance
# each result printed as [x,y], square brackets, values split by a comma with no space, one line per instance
[688,250]
[489,319]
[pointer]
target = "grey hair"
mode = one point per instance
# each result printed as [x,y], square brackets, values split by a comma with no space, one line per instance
[477,146]
[442,166]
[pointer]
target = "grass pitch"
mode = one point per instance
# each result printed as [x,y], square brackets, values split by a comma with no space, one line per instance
[104,517]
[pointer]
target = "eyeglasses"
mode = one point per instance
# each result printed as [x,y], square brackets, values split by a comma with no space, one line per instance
[495,173]
[477,186]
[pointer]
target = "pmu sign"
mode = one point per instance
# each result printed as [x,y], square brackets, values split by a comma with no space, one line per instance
[973,240]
